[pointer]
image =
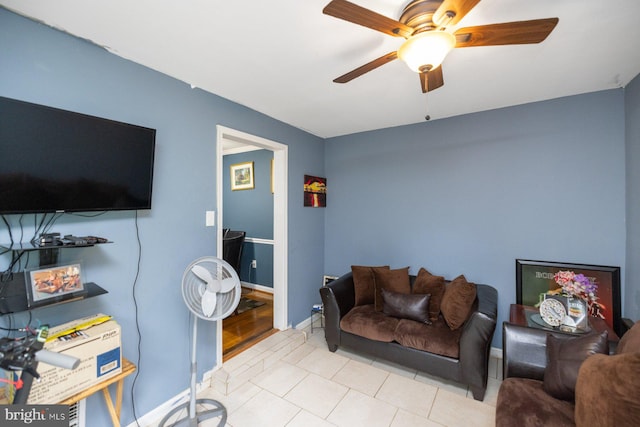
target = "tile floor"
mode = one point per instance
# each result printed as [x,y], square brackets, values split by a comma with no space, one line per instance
[291,379]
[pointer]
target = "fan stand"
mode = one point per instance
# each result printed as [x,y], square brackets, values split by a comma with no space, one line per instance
[196,417]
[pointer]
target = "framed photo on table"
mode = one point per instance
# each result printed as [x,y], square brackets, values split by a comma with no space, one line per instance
[534,279]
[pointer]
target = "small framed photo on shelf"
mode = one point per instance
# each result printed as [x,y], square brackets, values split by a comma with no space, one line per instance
[242,176]
[55,283]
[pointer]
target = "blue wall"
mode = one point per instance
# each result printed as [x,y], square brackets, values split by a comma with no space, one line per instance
[631,308]
[465,195]
[470,194]
[252,211]
[45,66]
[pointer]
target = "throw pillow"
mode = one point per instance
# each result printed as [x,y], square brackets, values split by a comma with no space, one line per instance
[391,280]
[564,357]
[427,283]
[363,283]
[457,302]
[630,341]
[406,306]
[607,391]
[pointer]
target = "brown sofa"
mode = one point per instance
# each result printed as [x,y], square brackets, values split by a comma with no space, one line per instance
[557,380]
[458,350]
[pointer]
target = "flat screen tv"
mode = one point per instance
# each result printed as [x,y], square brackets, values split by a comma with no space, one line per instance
[53,160]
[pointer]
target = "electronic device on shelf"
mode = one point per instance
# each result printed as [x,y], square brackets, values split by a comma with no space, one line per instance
[94,239]
[73,240]
[53,239]
[50,239]
[63,161]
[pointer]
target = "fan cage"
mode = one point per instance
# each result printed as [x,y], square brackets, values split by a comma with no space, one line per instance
[193,288]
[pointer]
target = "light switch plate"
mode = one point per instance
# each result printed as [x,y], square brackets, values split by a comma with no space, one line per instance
[210,220]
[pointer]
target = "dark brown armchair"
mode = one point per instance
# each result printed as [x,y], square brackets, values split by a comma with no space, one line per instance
[562,380]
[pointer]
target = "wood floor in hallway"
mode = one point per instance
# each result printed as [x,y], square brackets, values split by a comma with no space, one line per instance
[241,331]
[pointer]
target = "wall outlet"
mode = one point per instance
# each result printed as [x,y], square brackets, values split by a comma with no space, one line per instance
[254,264]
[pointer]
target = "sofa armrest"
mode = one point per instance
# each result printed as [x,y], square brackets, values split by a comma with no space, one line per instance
[338,297]
[475,341]
[524,351]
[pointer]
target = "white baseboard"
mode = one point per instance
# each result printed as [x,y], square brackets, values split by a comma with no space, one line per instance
[305,323]
[155,415]
[496,352]
[257,287]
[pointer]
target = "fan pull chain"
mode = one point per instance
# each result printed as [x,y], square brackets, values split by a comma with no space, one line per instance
[426,103]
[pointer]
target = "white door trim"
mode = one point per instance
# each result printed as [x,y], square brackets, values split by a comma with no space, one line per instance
[280,220]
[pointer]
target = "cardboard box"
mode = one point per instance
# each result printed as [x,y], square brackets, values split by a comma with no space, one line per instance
[99,349]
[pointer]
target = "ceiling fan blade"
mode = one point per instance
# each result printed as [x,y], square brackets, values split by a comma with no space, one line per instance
[366,68]
[459,7]
[348,11]
[431,80]
[518,32]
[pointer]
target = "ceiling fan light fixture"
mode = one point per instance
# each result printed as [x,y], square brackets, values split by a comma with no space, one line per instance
[426,50]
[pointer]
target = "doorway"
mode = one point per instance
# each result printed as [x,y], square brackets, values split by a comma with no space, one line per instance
[280,218]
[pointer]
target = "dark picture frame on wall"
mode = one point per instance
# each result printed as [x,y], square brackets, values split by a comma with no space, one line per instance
[315,191]
[534,278]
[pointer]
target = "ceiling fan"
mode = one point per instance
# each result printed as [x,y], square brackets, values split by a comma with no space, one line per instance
[424,24]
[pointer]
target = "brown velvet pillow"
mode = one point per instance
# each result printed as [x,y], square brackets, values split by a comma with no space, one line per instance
[427,283]
[630,342]
[363,283]
[458,299]
[564,357]
[607,391]
[406,306]
[390,280]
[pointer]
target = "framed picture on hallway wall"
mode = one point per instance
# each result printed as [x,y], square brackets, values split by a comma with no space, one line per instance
[242,176]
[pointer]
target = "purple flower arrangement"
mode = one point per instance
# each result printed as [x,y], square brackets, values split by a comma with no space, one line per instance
[580,286]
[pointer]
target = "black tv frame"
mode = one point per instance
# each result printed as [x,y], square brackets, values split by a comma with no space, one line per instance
[116,175]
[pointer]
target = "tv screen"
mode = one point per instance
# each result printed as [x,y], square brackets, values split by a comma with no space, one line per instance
[53,160]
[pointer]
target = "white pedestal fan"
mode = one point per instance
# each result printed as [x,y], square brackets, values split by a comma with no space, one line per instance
[211,290]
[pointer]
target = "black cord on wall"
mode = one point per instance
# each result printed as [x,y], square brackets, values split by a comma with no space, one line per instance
[135,303]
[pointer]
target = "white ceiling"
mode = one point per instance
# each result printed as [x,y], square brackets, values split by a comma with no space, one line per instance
[279,57]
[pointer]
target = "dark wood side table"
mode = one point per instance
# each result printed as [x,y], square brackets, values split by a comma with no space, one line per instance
[520,314]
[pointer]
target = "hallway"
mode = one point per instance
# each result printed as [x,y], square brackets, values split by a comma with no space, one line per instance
[241,331]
